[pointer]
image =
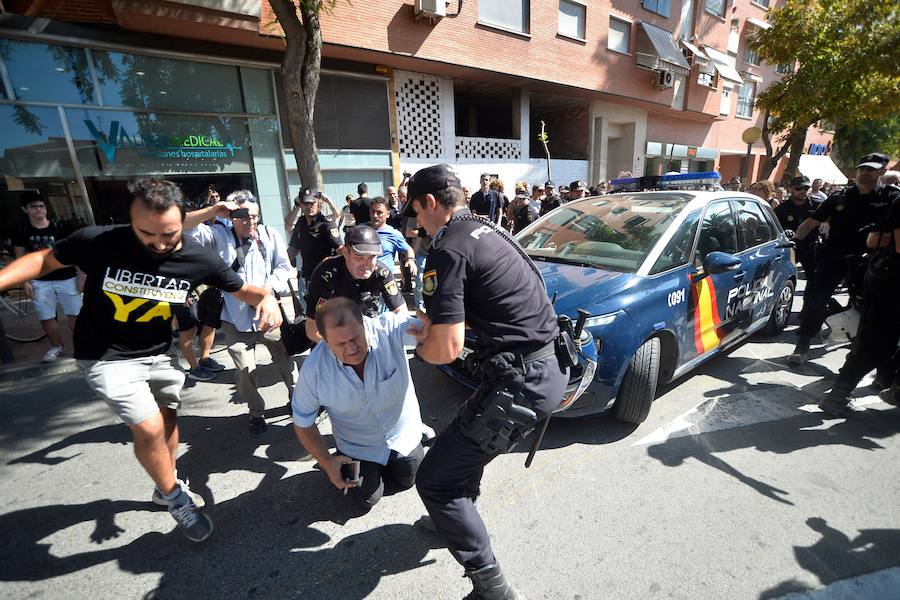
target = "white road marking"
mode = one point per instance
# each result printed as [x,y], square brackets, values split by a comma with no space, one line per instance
[880,585]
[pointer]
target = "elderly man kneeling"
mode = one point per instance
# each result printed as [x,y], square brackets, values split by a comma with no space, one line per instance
[360,375]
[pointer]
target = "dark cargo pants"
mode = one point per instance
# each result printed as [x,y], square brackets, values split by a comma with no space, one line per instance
[449,479]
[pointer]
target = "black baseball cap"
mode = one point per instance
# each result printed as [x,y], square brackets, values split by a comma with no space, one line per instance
[550,184]
[578,186]
[362,239]
[875,160]
[800,181]
[307,196]
[428,181]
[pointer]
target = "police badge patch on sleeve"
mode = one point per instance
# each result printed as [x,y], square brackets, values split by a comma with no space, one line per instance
[391,288]
[429,282]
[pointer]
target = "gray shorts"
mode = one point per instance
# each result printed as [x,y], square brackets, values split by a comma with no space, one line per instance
[135,388]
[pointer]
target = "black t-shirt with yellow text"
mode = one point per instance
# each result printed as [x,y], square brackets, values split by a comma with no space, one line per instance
[129,293]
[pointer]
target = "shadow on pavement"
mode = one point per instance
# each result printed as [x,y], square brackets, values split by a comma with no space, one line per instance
[265,542]
[835,556]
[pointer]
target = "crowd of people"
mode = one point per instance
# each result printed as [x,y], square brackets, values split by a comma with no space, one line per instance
[218,267]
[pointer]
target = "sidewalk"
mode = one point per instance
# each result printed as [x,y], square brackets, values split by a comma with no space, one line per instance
[27,358]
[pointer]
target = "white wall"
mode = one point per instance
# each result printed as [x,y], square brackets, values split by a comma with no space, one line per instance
[533,171]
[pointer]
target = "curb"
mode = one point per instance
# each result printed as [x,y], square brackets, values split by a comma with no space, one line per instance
[58,367]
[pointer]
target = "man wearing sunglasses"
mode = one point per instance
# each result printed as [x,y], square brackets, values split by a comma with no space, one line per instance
[259,257]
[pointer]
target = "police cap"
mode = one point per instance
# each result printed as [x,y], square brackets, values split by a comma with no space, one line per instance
[874,160]
[307,196]
[800,181]
[362,239]
[578,186]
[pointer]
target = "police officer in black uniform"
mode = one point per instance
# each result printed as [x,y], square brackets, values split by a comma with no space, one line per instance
[791,213]
[523,214]
[851,214]
[551,199]
[355,273]
[315,236]
[875,344]
[477,276]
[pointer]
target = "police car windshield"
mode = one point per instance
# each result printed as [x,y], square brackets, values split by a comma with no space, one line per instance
[609,232]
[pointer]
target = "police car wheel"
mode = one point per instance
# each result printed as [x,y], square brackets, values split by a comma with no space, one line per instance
[781,310]
[639,385]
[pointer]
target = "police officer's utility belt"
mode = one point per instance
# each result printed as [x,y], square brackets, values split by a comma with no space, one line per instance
[494,417]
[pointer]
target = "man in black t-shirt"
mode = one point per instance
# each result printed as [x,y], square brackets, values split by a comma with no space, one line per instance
[486,202]
[359,207]
[355,274]
[134,274]
[61,287]
[851,214]
[791,213]
[551,200]
[315,236]
[478,277]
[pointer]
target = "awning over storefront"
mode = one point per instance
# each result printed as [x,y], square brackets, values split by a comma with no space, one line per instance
[758,23]
[659,51]
[699,57]
[821,167]
[724,64]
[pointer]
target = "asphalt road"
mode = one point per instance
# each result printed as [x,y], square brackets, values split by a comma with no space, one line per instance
[735,487]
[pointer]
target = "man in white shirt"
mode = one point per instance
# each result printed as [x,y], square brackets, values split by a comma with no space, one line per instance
[816,194]
[360,375]
[259,257]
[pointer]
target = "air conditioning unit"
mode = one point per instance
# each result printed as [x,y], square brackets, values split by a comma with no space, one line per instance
[430,9]
[665,79]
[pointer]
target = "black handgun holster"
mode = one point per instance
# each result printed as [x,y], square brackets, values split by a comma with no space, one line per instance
[492,417]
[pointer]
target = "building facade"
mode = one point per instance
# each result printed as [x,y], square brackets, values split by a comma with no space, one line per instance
[95,92]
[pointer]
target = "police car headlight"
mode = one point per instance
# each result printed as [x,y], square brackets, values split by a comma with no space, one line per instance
[600,320]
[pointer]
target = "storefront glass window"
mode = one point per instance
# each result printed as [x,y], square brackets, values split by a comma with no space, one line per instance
[258,95]
[149,82]
[122,143]
[33,155]
[48,73]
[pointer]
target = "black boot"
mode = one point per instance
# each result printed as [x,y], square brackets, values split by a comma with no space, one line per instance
[489,583]
[837,404]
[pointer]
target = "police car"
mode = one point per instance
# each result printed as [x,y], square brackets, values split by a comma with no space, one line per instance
[670,279]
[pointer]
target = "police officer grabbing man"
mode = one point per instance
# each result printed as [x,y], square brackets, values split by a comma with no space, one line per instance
[477,276]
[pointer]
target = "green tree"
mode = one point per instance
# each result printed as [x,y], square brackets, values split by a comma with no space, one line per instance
[846,57]
[300,72]
[855,140]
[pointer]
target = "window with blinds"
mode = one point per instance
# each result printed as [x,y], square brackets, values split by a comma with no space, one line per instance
[351,114]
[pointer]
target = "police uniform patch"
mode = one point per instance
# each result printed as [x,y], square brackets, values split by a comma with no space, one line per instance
[335,233]
[429,282]
[320,303]
[391,288]
[839,207]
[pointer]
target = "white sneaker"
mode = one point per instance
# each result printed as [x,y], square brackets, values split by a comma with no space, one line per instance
[52,354]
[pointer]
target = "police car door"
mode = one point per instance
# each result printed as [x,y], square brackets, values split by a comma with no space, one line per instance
[754,297]
[713,325]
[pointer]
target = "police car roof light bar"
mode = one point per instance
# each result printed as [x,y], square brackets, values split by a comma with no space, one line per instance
[660,179]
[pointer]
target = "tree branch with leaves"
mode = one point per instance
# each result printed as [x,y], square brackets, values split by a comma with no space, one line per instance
[847,69]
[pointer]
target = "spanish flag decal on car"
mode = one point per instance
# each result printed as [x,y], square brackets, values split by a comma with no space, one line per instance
[706,315]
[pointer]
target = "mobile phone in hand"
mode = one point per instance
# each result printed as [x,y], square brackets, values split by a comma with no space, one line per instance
[240,213]
[350,473]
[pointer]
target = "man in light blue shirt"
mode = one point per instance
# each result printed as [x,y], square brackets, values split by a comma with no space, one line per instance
[361,376]
[258,255]
[392,241]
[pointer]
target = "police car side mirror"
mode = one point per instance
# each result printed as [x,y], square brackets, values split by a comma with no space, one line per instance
[720,262]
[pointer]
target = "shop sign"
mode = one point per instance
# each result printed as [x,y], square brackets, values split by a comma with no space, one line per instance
[692,151]
[161,146]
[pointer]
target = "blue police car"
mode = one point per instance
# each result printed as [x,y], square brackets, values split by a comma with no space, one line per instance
[670,279]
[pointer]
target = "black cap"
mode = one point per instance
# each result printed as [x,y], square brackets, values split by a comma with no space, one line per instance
[564,188]
[307,196]
[428,181]
[578,185]
[875,160]
[362,239]
[800,181]
[550,184]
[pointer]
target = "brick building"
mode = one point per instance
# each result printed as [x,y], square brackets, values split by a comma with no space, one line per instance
[644,86]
